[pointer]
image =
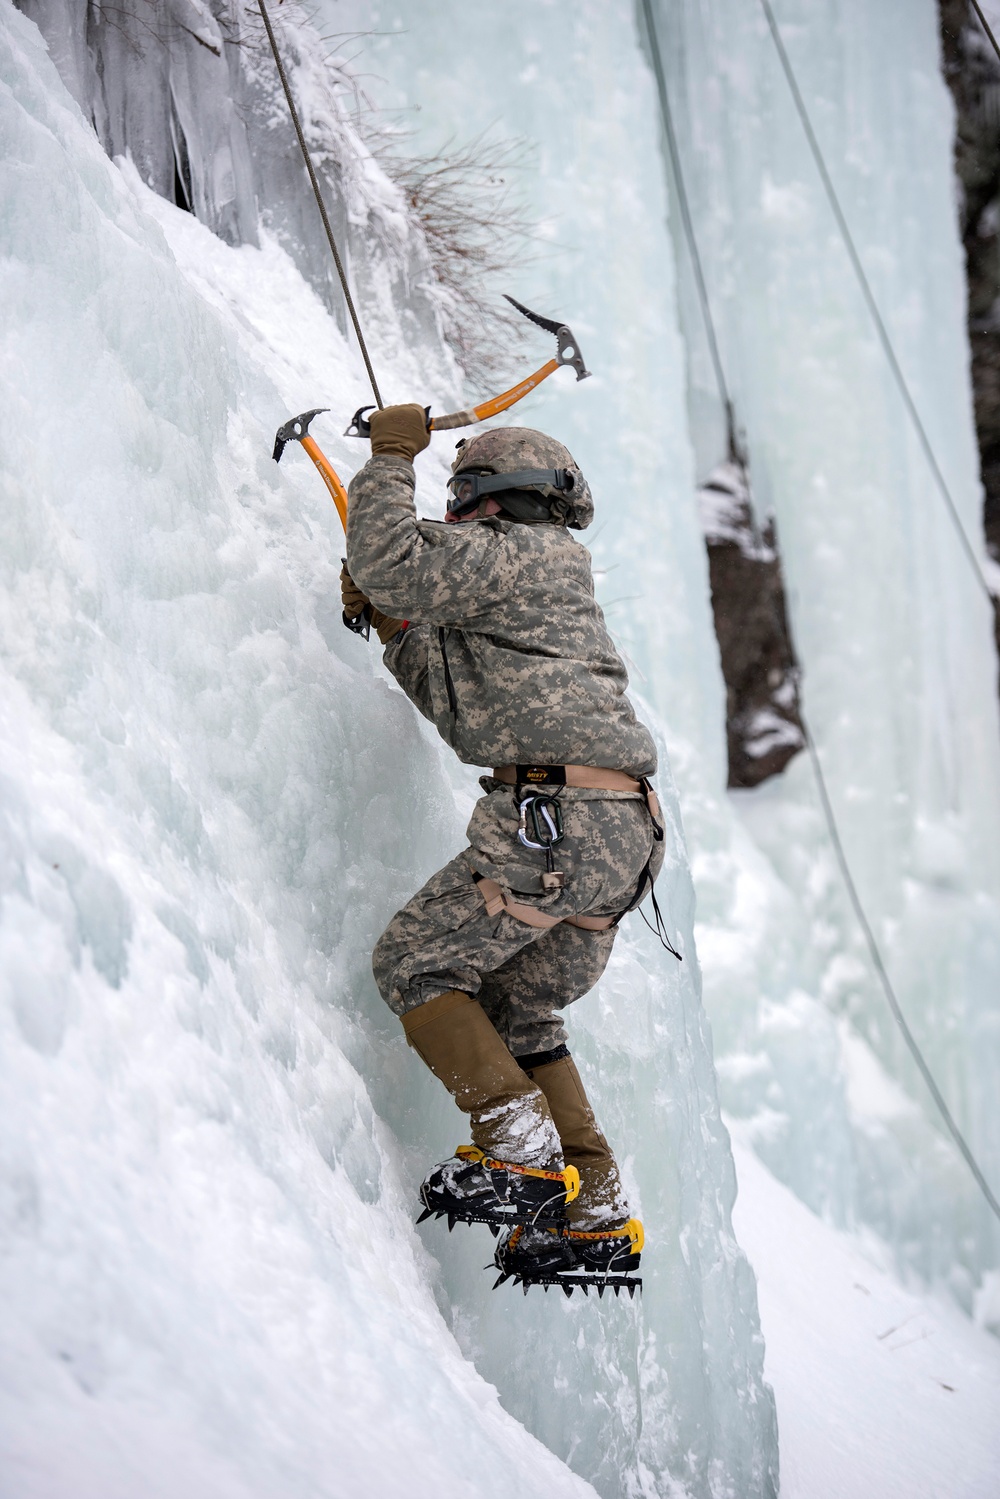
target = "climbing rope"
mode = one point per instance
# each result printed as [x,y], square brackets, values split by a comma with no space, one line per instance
[985,25]
[319,201]
[689,234]
[886,982]
[827,806]
[866,291]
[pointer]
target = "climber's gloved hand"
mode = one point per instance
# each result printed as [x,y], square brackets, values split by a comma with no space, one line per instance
[399,431]
[385,627]
[354,601]
[357,604]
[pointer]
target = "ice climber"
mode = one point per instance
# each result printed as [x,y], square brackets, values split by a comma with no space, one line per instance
[492,629]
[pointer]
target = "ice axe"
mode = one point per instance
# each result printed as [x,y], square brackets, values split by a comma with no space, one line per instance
[297,430]
[567,353]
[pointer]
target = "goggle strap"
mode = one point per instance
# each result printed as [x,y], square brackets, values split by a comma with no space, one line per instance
[559,478]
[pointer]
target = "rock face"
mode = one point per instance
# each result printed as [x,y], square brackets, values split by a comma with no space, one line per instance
[763,724]
[972,70]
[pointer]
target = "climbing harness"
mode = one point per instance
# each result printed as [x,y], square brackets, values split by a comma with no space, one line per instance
[737,451]
[496,902]
[543,811]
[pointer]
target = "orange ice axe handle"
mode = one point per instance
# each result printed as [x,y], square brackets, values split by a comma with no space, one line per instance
[495,404]
[567,353]
[297,430]
[330,477]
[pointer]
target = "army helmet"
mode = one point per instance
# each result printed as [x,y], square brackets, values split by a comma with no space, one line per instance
[551,489]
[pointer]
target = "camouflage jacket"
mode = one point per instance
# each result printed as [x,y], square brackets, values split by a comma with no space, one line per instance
[506,651]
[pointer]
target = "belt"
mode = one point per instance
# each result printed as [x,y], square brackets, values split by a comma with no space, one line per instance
[585,777]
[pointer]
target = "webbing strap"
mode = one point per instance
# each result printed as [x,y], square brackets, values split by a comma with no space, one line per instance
[583,777]
[495,902]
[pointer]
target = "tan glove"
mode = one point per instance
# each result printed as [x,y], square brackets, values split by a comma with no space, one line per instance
[399,431]
[354,601]
[359,605]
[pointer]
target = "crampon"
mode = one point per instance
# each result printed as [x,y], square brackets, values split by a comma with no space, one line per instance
[474,1188]
[562,1257]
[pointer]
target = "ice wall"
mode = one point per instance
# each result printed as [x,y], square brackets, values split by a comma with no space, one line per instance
[187,90]
[212,802]
[890,625]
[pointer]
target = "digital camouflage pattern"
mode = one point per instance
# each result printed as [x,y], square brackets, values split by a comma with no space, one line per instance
[507,652]
[522,976]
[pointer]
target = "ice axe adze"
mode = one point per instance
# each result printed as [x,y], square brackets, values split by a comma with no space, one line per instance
[567,353]
[297,430]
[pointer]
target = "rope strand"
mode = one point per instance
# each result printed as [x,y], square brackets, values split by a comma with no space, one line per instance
[985,25]
[869,297]
[689,234]
[890,993]
[825,802]
[319,201]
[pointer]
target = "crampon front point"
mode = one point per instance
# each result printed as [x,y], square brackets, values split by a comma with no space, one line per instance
[568,1259]
[472,1187]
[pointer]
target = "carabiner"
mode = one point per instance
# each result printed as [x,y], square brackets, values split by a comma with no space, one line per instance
[546,822]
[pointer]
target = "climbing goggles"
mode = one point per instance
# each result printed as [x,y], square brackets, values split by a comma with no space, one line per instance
[469,486]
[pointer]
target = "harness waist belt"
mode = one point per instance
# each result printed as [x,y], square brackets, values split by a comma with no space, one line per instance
[584,777]
[496,902]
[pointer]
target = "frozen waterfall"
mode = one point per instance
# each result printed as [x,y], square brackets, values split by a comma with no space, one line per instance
[213,797]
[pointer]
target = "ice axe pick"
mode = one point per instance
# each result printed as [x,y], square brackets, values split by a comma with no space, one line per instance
[297,430]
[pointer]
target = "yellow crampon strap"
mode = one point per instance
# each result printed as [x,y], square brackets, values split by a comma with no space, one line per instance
[632,1230]
[570,1177]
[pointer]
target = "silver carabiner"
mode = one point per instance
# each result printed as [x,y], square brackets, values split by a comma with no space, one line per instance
[539,807]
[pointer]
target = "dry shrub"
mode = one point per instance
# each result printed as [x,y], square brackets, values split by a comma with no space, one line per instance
[478,235]
[463,198]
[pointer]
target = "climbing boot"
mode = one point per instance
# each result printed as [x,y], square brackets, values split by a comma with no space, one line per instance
[514,1171]
[601,1202]
[605,1260]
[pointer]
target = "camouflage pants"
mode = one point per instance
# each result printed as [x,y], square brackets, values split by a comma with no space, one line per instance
[522,976]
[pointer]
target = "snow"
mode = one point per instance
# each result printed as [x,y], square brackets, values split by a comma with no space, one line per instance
[880,1390]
